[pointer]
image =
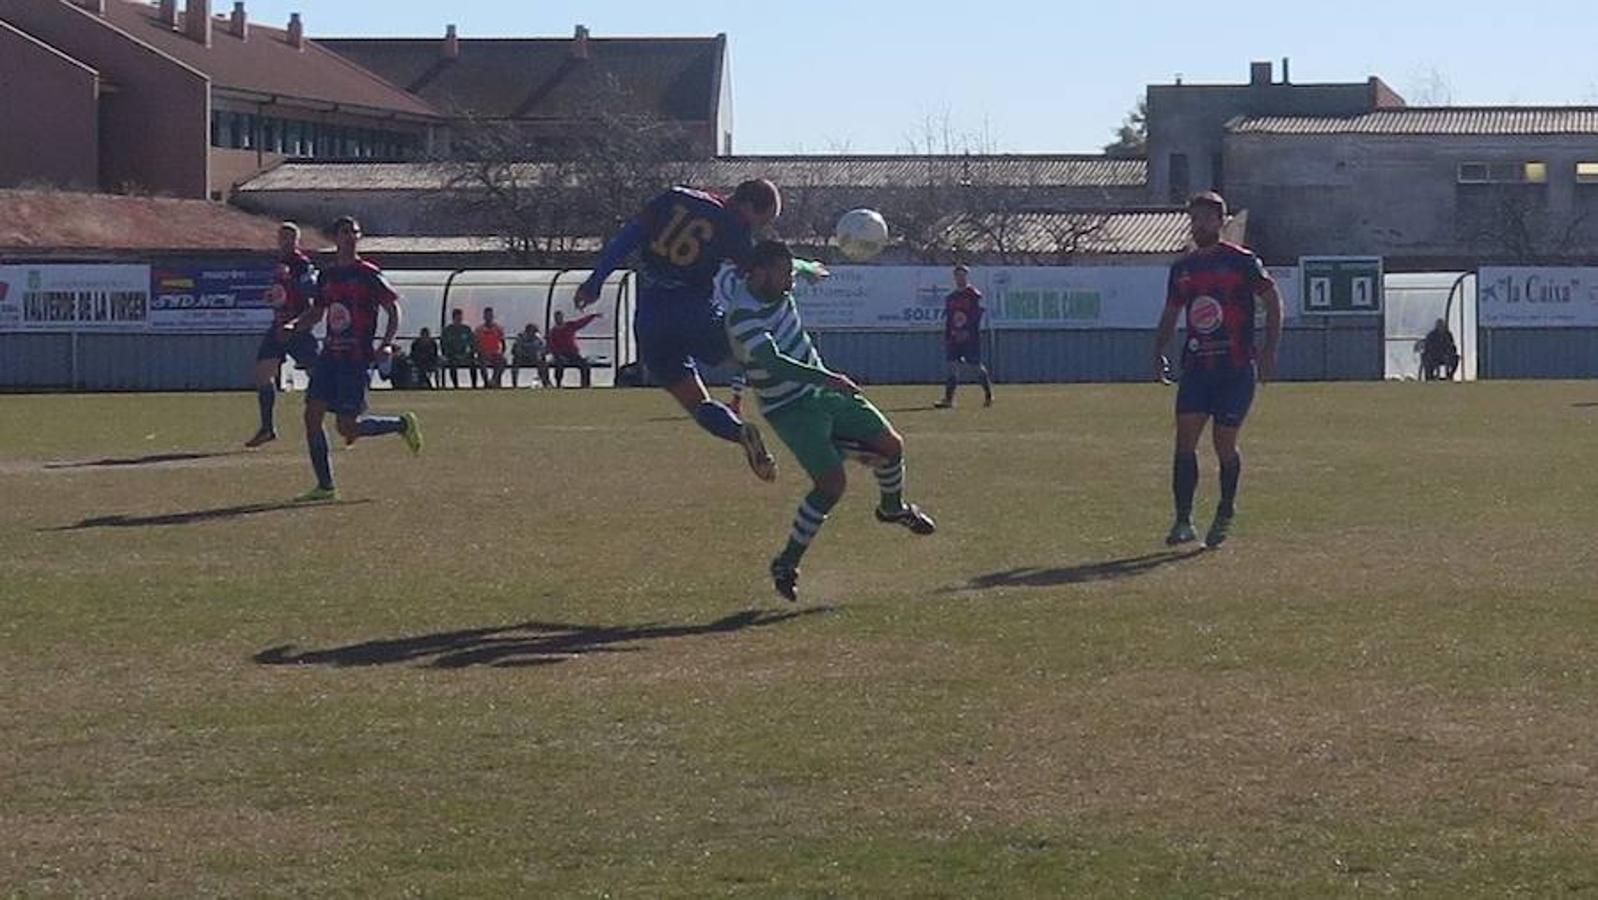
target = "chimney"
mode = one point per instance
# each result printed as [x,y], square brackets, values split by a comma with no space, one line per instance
[95,6]
[168,13]
[296,32]
[1286,76]
[239,24]
[452,43]
[1259,73]
[580,43]
[197,21]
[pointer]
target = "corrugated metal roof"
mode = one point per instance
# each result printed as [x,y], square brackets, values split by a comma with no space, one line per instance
[455,244]
[790,171]
[1453,120]
[1156,232]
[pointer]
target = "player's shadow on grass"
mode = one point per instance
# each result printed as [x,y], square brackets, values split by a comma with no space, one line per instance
[150,460]
[526,644]
[193,516]
[1585,404]
[1109,570]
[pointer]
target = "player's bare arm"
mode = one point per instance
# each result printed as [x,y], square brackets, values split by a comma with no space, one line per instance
[1165,334]
[1272,298]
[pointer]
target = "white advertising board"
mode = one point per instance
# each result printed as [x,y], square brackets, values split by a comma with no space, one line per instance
[1536,297]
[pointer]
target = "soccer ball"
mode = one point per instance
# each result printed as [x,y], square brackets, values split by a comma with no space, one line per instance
[861,234]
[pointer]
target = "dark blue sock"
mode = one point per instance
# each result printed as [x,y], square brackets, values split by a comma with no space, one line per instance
[372,426]
[1231,472]
[714,417]
[1184,483]
[266,395]
[320,463]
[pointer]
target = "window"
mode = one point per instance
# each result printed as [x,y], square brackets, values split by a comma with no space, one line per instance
[1503,173]
[1587,173]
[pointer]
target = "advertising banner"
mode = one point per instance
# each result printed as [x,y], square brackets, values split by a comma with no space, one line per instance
[74,297]
[910,298]
[1536,297]
[210,297]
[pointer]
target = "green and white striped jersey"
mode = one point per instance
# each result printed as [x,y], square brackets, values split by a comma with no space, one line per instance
[767,339]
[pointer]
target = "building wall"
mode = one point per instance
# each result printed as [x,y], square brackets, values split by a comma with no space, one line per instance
[154,121]
[1191,120]
[1399,197]
[52,110]
[230,168]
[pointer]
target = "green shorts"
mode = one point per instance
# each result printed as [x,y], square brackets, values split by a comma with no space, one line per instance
[810,424]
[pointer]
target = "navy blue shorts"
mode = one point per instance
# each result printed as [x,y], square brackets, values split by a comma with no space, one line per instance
[1223,395]
[970,353]
[341,384]
[669,346]
[301,345]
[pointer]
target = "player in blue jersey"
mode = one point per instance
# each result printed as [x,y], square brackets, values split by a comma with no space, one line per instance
[1215,287]
[290,295]
[349,295]
[682,238]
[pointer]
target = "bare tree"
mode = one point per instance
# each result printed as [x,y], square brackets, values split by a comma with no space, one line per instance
[548,196]
[1512,223]
[1429,87]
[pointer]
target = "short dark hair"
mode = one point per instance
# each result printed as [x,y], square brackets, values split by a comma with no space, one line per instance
[1209,199]
[353,223]
[759,194]
[768,252]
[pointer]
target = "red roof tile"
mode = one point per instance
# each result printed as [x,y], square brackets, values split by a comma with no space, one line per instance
[265,63]
[57,221]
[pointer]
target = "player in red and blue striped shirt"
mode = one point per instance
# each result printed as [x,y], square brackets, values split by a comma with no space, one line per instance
[962,337]
[290,295]
[1215,287]
[349,295]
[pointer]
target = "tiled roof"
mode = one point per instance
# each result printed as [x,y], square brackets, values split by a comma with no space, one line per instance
[1156,232]
[788,171]
[61,221]
[539,78]
[265,63]
[1453,120]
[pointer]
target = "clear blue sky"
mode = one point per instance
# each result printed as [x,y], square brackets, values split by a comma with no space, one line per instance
[1036,76]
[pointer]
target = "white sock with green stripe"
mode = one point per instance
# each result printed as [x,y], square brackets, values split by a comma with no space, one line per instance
[890,480]
[807,523]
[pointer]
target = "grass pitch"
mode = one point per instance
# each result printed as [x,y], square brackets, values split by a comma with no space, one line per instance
[544,658]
